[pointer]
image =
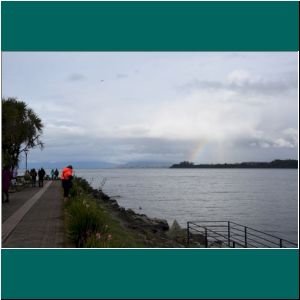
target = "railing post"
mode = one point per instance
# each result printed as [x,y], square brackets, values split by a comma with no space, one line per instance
[246,237]
[228,233]
[280,243]
[206,238]
[188,234]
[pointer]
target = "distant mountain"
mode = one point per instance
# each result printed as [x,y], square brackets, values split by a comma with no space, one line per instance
[276,164]
[146,164]
[97,165]
[75,164]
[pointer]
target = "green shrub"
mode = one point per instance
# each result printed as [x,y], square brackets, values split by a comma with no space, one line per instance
[76,191]
[80,187]
[84,220]
[83,184]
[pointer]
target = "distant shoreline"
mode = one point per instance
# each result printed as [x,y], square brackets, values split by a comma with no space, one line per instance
[275,164]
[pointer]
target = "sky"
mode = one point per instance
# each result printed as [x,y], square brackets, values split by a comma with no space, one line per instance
[120,107]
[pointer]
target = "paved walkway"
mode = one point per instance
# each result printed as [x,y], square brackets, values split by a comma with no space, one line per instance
[34,218]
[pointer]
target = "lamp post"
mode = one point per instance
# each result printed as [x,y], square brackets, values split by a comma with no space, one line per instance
[26,152]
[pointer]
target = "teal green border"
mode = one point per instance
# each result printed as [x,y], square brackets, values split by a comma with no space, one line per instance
[145,26]
[133,274]
[150,26]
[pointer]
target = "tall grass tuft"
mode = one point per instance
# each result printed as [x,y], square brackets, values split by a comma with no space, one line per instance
[84,220]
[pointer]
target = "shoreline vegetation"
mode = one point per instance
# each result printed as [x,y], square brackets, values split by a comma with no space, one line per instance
[94,220]
[275,164]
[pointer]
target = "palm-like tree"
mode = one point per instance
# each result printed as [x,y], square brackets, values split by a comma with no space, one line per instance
[21,130]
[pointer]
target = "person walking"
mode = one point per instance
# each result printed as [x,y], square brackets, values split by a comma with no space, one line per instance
[56,173]
[14,178]
[52,174]
[66,180]
[27,176]
[41,174]
[6,179]
[33,175]
[15,173]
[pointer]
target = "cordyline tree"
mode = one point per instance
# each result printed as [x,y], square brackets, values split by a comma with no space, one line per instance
[21,130]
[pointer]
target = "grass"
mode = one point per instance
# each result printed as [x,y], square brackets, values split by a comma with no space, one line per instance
[90,225]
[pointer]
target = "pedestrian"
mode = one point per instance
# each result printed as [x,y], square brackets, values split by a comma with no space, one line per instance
[52,174]
[66,180]
[6,180]
[56,173]
[14,177]
[15,173]
[27,176]
[33,175]
[41,174]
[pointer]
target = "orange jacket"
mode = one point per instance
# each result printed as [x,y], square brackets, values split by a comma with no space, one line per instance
[66,173]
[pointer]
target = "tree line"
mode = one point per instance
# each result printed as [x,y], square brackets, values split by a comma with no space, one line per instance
[277,164]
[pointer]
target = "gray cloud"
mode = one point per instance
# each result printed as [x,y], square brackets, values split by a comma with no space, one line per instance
[115,150]
[249,87]
[76,77]
[122,76]
[282,139]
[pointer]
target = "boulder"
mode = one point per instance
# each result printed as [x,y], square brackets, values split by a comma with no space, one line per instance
[96,194]
[161,224]
[130,212]
[153,225]
[103,196]
[175,226]
[114,204]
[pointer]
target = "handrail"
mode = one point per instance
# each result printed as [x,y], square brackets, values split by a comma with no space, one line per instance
[276,237]
[260,237]
[245,237]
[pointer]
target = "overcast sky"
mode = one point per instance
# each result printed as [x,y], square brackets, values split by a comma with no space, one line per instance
[159,106]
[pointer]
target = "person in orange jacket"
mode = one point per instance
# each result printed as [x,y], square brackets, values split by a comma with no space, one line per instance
[66,179]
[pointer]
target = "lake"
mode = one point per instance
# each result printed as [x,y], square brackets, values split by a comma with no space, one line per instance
[264,199]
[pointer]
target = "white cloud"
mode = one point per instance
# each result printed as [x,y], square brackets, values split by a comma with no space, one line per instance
[292,135]
[238,77]
[264,145]
[283,143]
[205,115]
[63,130]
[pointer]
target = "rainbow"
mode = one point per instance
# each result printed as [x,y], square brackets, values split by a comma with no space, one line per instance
[196,151]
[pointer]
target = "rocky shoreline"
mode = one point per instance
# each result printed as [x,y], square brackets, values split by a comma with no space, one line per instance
[154,232]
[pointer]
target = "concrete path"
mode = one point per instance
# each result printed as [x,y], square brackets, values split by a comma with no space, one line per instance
[16,200]
[36,221]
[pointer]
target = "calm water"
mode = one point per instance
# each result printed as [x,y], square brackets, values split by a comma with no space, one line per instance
[263,199]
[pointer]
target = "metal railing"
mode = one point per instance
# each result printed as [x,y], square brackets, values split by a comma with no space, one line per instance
[233,235]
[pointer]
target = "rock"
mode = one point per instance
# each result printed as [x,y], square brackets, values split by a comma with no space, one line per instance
[121,209]
[96,194]
[175,226]
[130,212]
[103,196]
[177,234]
[114,204]
[161,224]
[154,225]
